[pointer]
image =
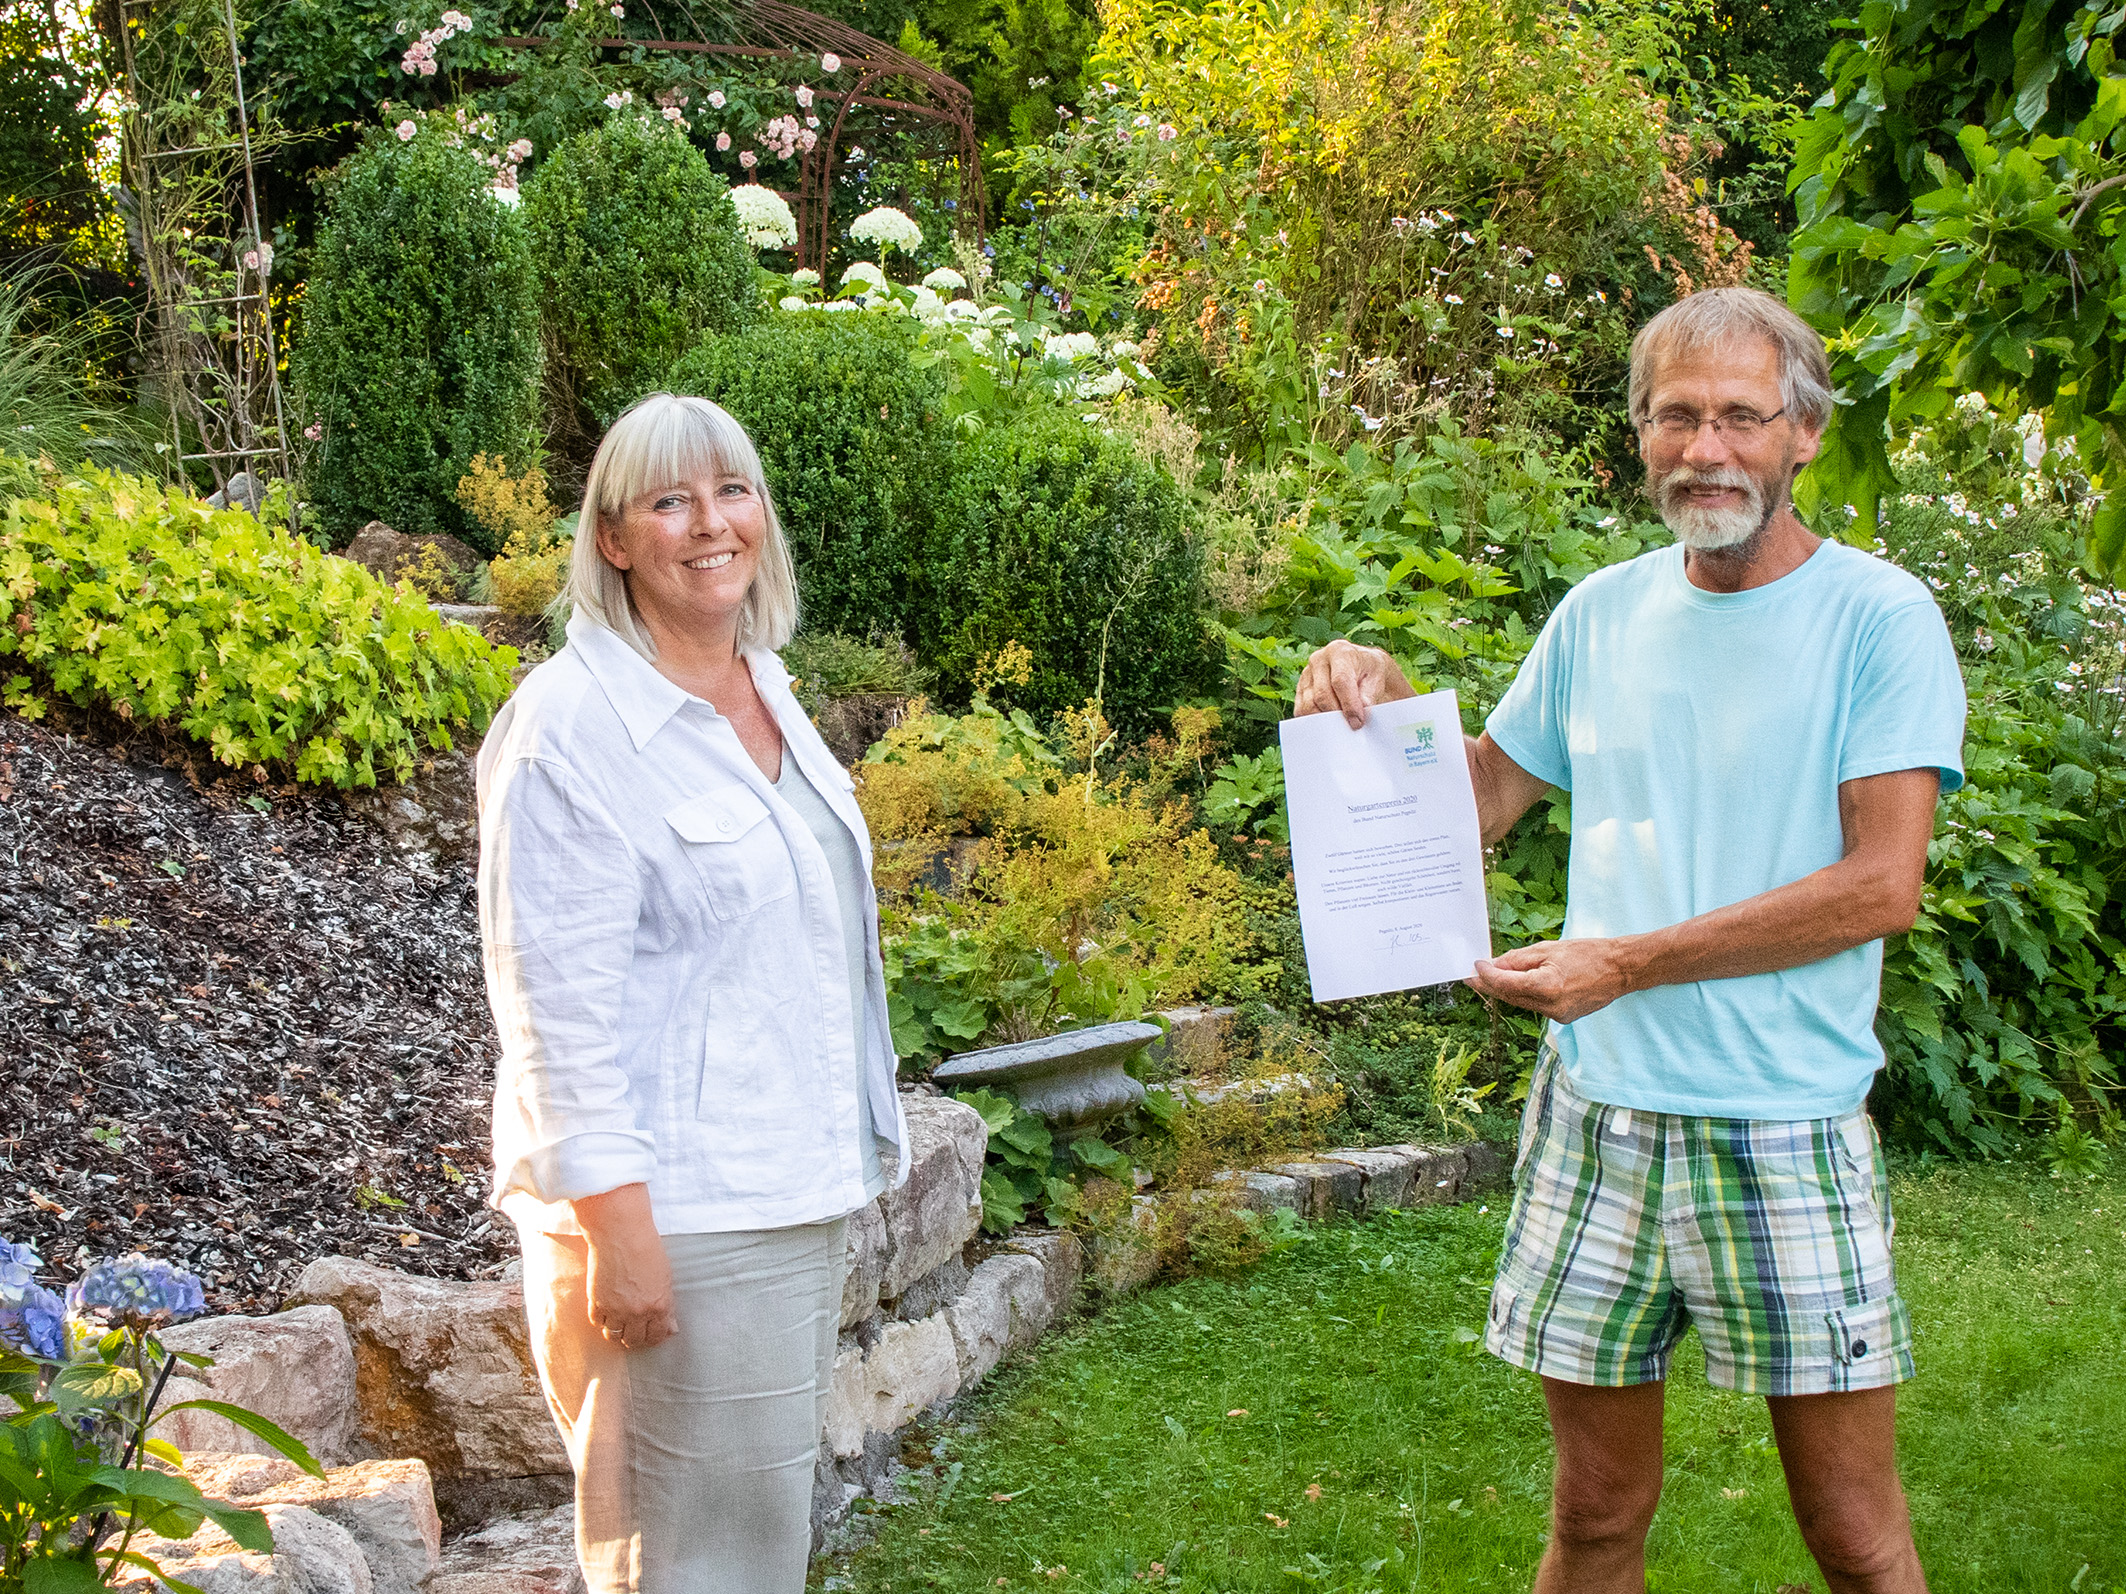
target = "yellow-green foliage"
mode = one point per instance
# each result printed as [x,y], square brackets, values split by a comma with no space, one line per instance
[1096,895]
[529,572]
[431,575]
[238,634]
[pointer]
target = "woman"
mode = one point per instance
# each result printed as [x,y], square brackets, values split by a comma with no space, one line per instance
[696,1083]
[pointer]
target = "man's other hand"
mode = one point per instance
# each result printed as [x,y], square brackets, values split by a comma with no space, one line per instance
[1562,980]
[1346,679]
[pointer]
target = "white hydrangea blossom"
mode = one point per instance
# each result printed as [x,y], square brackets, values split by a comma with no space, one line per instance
[1104,386]
[865,272]
[1124,349]
[765,216]
[963,309]
[888,228]
[943,278]
[805,277]
[841,304]
[928,307]
[1972,403]
[1072,345]
[791,301]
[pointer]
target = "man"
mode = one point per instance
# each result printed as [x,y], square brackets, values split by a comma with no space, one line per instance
[1754,726]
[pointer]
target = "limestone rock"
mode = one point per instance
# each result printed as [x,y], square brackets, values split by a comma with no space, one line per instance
[295,1368]
[1003,1309]
[931,1218]
[387,554]
[1062,1258]
[1263,1192]
[1389,1171]
[388,1507]
[1126,1259]
[1436,1180]
[534,1554]
[310,1556]
[910,1366]
[244,491]
[1326,1187]
[866,1246]
[1487,1168]
[443,1370]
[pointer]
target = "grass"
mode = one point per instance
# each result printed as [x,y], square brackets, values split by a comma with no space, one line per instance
[1328,1422]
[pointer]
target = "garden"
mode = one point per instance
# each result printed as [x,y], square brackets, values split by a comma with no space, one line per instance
[1104,363]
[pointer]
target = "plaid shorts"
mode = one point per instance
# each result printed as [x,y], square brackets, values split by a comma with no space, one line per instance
[1628,1227]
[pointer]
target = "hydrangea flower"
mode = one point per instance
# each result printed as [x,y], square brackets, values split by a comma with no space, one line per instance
[137,1289]
[888,228]
[805,277]
[791,301]
[1071,345]
[1104,386]
[33,1321]
[765,217]
[942,278]
[865,272]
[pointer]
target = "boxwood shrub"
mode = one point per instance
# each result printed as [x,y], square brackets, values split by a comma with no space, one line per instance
[419,341]
[850,435]
[116,594]
[639,253]
[1057,535]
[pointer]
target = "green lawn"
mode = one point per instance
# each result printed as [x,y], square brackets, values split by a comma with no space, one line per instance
[1327,1422]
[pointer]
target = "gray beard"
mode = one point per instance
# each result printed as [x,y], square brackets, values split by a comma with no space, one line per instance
[1732,533]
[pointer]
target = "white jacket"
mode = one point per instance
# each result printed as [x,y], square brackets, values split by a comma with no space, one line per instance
[664,956]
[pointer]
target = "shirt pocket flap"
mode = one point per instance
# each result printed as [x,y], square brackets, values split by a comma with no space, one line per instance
[723,815]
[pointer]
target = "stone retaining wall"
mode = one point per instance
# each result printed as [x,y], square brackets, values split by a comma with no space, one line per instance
[373,1365]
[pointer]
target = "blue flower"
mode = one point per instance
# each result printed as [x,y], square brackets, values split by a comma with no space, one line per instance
[18,1264]
[137,1290]
[33,1321]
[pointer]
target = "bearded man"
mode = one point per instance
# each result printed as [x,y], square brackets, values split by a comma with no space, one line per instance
[1754,726]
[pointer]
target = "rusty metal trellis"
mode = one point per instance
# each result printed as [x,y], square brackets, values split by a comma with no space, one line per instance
[880,77]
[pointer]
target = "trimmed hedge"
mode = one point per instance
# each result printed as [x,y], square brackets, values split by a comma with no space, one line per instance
[639,253]
[116,594]
[1051,533]
[419,343]
[849,432]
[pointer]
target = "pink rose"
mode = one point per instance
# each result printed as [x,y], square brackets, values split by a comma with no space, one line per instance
[716,98]
[804,98]
[314,430]
[748,159]
[830,62]
[428,66]
[405,130]
[723,140]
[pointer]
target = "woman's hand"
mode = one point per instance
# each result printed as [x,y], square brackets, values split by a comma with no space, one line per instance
[629,1287]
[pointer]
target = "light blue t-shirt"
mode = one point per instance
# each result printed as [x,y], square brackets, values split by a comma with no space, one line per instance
[1703,737]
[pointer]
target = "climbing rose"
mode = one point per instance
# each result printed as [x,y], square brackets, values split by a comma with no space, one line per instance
[748,159]
[804,98]
[830,62]
[405,130]
[723,140]
[716,98]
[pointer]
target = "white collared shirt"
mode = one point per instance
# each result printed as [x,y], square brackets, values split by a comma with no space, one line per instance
[665,959]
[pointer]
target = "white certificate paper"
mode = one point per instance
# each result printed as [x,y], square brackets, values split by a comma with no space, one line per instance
[1387,854]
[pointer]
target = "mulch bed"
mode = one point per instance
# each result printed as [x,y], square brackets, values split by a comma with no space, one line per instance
[240,1027]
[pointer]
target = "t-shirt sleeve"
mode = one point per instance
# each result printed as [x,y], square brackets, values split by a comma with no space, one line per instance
[1531,721]
[1908,700]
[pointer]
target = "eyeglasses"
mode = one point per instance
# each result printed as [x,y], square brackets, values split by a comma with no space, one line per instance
[1735,426]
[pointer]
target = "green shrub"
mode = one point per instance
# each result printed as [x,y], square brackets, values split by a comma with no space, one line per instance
[239,635]
[1059,536]
[419,342]
[848,430]
[640,252]
[832,664]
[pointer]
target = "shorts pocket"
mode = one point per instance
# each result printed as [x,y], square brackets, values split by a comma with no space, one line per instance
[1534,1111]
[736,850]
[1873,1337]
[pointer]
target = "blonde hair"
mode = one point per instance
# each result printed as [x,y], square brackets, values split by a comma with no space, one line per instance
[661,441]
[1720,318]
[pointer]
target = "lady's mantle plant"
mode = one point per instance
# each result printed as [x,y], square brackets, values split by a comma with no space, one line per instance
[85,1374]
[115,594]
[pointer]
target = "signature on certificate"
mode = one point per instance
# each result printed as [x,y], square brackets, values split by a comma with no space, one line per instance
[1412,935]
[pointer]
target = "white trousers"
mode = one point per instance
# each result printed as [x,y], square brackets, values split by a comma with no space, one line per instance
[694,1460]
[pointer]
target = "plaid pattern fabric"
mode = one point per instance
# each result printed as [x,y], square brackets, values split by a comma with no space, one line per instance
[1772,1237]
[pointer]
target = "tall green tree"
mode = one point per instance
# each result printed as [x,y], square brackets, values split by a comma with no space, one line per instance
[1962,194]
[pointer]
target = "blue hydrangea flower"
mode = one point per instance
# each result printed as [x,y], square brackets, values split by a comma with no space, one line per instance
[18,1265]
[33,1321]
[137,1290]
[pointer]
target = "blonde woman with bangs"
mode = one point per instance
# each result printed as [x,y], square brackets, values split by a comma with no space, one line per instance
[697,1079]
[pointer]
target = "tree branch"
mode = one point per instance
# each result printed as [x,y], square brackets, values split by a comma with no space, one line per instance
[2089,198]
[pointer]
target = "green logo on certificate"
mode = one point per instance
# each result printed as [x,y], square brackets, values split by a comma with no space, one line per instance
[1420,746]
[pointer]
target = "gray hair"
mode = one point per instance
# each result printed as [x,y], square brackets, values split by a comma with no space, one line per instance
[1720,318]
[661,441]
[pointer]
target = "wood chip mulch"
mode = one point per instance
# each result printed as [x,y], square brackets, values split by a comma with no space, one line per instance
[240,1028]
